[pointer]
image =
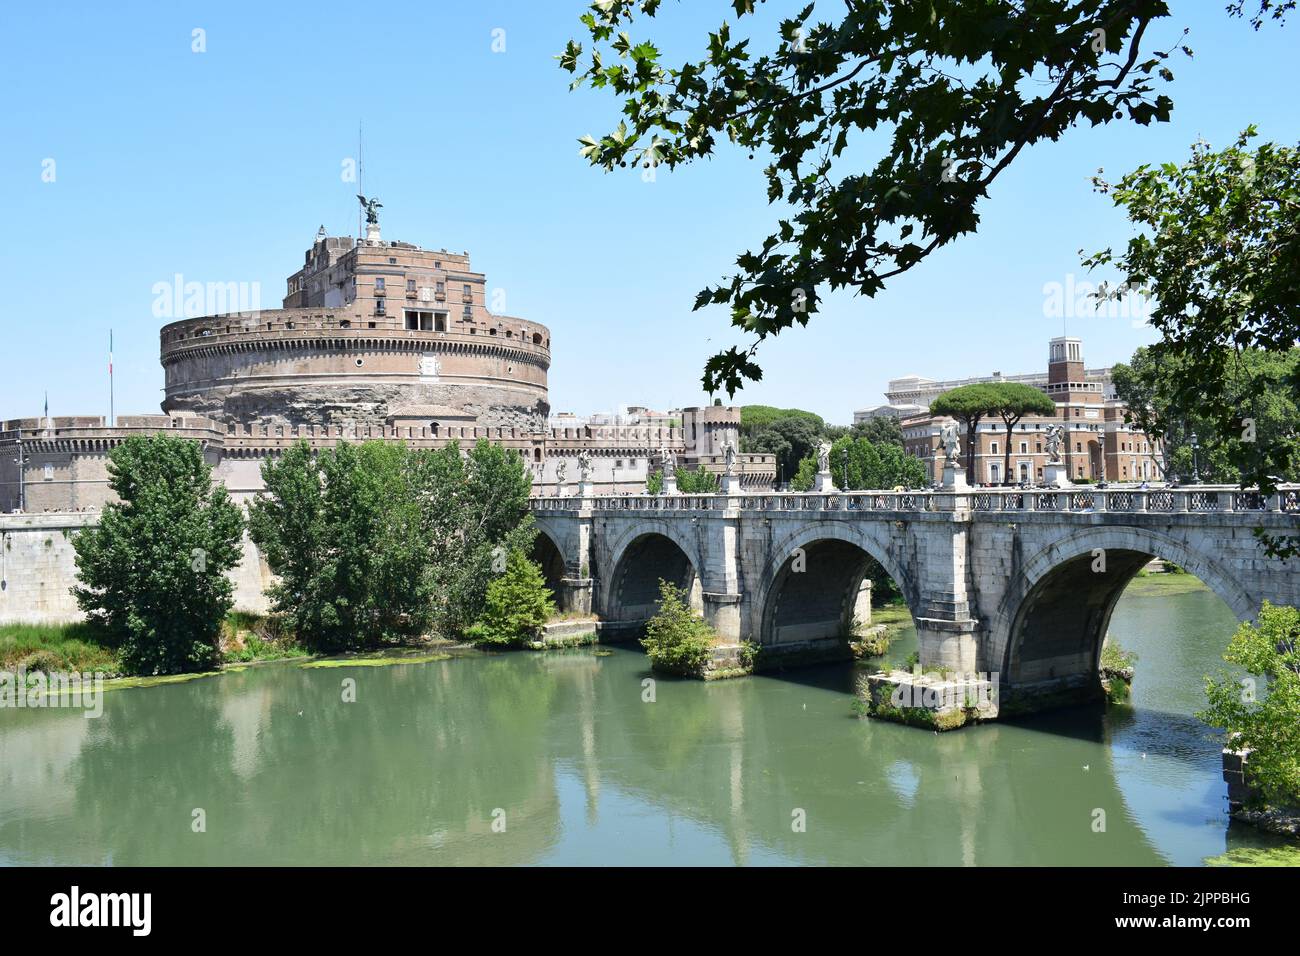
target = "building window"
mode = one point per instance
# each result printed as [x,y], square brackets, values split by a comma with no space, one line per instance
[379,285]
[1024,448]
[410,285]
[380,308]
[1078,446]
[49,472]
[993,448]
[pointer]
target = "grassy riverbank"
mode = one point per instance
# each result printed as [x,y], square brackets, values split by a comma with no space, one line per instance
[55,647]
[1163,582]
[81,647]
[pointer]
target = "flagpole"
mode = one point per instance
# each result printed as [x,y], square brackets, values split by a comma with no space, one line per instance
[112,411]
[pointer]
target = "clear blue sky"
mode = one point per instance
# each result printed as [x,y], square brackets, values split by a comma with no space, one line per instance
[221,165]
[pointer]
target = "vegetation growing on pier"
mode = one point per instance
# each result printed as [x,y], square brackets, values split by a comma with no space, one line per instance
[677,640]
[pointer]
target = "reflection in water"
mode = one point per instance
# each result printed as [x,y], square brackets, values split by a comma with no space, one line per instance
[562,748]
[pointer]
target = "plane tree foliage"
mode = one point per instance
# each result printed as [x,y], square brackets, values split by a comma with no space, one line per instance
[1217,249]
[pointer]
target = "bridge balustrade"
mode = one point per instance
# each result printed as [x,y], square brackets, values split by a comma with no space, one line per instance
[1199,499]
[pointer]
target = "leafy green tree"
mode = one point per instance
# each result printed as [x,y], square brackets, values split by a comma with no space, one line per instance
[879,430]
[805,475]
[1218,251]
[478,515]
[791,438]
[342,532]
[947,93]
[1264,720]
[755,418]
[1146,385]
[677,640]
[697,482]
[968,404]
[861,464]
[152,573]
[379,542]
[1015,401]
[517,604]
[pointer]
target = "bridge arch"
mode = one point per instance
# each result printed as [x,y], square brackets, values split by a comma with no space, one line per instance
[1052,622]
[549,553]
[821,601]
[639,559]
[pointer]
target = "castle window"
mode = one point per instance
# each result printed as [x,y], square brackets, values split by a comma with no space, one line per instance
[379,285]
[410,285]
[49,472]
[379,307]
[440,322]
[392,261]
[345,323]
[537,338]
[537,454]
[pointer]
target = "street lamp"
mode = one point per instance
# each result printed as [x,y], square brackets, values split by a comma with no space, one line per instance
[845,456]
[1196,471]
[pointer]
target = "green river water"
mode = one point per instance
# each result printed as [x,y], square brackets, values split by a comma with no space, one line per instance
[562,753]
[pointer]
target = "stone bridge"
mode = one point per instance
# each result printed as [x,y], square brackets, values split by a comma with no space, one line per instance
[1014,583]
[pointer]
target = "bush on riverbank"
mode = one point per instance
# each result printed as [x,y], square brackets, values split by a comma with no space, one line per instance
[152,573]
[1261,714]
[518,604]
[677,641]
[249,637]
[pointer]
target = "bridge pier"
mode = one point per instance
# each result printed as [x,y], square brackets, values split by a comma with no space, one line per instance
[722,611]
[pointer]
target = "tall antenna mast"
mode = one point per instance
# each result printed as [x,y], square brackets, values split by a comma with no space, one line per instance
[112,410]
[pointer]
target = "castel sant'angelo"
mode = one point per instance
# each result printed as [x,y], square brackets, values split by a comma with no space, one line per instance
[375,340]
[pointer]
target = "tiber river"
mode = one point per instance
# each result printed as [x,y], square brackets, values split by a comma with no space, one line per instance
[554,758]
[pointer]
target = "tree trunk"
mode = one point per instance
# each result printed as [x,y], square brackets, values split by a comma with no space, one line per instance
[972,427]
[1006,458]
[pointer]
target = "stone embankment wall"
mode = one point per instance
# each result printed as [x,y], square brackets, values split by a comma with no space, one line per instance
[38,570]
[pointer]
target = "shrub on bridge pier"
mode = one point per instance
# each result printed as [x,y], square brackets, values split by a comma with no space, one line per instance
[677,641]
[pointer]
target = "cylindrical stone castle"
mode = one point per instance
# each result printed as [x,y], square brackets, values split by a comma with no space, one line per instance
[371,333]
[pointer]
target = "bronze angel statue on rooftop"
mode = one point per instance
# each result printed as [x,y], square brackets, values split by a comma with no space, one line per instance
[371,206]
